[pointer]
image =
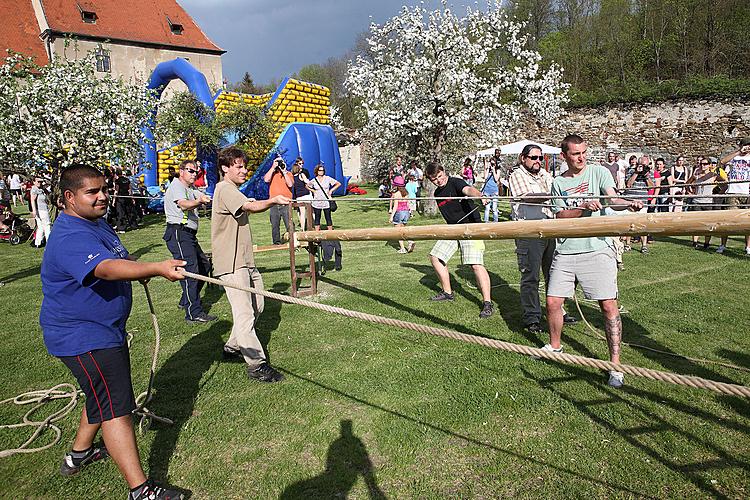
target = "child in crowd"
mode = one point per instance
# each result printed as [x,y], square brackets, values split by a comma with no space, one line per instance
[399,210]
[412,187]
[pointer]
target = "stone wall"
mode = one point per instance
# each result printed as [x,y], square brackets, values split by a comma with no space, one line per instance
[668,129]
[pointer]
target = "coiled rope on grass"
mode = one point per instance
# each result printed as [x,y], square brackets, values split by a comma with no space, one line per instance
[39,399]
[672,378]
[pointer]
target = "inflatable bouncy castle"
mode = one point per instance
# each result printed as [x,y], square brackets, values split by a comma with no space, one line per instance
[301,111]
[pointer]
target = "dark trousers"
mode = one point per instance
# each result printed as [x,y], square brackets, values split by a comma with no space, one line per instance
[124,213]
[533,255]
[276,213]
[332,249]
[183,244]
[326,212]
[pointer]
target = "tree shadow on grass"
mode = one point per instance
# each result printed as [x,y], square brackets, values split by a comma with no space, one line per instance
[600,412]
[144,250]
[177,384]
[346,460]
[637,334]
[269,319]
[399,306]
[23,273]
[560,470]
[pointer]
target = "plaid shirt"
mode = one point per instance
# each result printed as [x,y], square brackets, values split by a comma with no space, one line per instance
[522,183]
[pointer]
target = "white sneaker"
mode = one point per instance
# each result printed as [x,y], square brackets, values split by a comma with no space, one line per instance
[721,249]
[549,348]
[747,251]
[616,379]
[410,249]
[402,250]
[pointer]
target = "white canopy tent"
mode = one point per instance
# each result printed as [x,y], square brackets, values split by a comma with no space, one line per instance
[515,148]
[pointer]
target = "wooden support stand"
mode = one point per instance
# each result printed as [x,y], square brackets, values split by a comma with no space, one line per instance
[311,250]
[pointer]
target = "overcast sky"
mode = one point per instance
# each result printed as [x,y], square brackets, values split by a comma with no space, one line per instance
[272,39]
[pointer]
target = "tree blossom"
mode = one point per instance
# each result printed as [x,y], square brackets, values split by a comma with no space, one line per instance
[435,85]
[62,113]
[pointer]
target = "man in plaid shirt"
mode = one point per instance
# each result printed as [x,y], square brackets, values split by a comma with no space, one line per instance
[530,184]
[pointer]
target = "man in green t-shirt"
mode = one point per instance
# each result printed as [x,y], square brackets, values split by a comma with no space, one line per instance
[587,261]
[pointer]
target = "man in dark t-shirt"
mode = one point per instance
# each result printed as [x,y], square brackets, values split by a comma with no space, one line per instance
[458,211]
[123,203]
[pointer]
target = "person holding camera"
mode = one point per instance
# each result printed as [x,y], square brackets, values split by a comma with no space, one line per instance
[280,182]
[640,180]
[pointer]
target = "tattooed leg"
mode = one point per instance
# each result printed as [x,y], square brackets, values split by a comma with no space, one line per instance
[613,328]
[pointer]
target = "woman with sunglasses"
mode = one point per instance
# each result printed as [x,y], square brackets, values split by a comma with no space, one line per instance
[322,188]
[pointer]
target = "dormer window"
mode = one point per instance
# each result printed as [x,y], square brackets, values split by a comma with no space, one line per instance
[175,27]
[88,14]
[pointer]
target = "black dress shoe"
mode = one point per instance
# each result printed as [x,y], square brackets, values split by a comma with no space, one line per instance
[533,328]
[570,320]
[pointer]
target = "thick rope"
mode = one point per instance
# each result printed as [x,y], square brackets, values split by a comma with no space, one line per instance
[672,378]
[39,399]
[144,398]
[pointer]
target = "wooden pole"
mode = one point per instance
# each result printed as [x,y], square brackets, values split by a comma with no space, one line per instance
[721,222]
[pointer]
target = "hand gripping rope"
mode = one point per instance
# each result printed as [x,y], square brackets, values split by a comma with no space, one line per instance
[672,378]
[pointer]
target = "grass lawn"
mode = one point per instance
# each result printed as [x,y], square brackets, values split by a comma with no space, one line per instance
[368,411]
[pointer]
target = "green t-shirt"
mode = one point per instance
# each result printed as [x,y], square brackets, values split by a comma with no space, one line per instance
[592,183]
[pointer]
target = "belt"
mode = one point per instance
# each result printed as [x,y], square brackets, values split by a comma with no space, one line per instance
[183,227]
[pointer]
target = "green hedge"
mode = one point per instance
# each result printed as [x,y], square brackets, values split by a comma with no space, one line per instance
[649,91]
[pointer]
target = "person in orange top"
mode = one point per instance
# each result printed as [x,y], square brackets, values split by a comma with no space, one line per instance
[281,182]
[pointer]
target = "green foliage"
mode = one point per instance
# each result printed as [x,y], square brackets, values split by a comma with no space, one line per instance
[648,91]
[635,51]
[185,119]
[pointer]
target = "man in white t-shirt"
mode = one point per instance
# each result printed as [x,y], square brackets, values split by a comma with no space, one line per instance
[15,188]
[737,167]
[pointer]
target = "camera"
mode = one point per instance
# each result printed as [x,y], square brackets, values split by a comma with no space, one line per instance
[280,164]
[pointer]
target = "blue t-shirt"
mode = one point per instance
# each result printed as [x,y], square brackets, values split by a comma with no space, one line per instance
[80,312]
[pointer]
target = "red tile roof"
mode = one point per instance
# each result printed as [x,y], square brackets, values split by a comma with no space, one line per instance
[20,30]
[143,21]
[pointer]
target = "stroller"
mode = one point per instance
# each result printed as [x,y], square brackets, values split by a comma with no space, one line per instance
[13,228]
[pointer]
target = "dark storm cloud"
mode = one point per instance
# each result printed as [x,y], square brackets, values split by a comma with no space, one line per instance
[271,39]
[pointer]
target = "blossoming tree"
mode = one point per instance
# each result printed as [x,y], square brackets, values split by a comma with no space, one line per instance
[437,85]
[63,113]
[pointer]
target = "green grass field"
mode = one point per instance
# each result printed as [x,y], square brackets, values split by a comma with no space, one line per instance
[368,411]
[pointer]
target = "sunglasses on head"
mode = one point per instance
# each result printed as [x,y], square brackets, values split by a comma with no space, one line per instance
[534,157]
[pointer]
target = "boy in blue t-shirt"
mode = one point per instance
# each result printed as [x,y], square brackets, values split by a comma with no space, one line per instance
[86,274]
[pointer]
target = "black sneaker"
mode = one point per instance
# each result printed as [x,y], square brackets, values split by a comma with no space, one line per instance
[442,296]
[265,373]
[569,320]
[533,328]
[71,465]
[152,491]
[228,354]
[201,318]
[487,310]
